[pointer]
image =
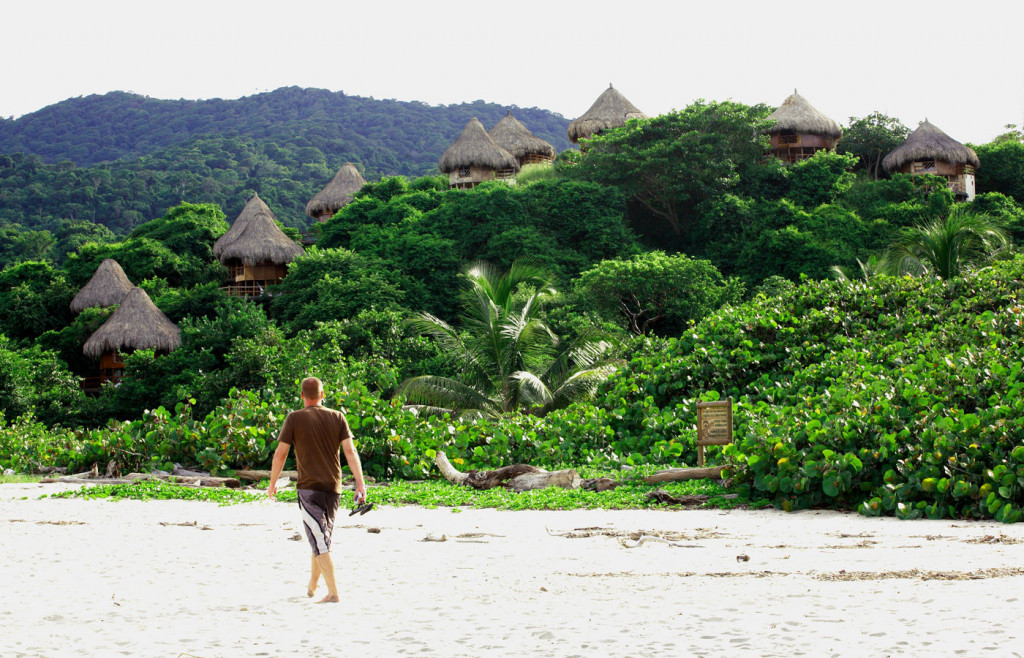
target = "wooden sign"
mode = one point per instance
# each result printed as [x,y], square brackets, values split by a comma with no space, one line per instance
[714,425]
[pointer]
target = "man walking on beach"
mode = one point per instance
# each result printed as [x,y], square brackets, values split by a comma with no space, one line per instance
[317,433]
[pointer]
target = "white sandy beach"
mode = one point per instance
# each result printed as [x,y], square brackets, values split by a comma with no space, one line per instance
[175,578]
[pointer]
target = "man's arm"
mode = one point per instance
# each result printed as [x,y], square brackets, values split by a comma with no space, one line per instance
[280,455]
[348,446]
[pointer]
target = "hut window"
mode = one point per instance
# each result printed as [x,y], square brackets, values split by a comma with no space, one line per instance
[924,165]
[789,138]
[463,173]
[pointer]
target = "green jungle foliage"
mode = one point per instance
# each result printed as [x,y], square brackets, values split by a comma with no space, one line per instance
[428,234]
[892,395]
[904,395]
[1002,168]
[511,360]
[900,396]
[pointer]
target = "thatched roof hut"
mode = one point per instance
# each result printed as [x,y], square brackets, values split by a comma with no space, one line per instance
[107,287]
[800,130]
[336,194]
[796,115]
[255,238]
[475,157]
[137,324]
[610,110]
[475,148]
[511,135]
[928,143]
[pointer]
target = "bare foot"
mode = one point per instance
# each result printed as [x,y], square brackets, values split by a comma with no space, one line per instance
[310,591]
[330,598]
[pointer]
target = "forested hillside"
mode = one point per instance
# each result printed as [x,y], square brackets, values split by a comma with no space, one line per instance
[120,160]
[385,136]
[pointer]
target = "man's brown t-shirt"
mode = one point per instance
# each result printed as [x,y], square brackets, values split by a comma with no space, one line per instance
[316,433]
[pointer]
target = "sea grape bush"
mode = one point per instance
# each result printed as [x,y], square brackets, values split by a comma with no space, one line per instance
[901,396]
[394,443]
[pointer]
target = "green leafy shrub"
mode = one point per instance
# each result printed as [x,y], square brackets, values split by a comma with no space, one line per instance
[899,396]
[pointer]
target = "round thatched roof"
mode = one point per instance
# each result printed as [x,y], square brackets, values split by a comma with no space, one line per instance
[610,110]
[338,192]
[798,116]
[107,287]
[930,143]
[511,135]
[475,148]
[137,324]
[254,238]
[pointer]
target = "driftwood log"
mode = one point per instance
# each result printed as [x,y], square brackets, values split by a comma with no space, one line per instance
[518,477]
[665,498]
[259,476]
[70,479]
[676,474]
[197,480]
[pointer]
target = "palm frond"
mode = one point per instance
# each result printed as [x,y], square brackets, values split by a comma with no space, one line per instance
[947,246]
[446,394]
[581,385]
[532,391]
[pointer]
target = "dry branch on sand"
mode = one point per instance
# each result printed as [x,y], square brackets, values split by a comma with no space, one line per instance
[524,477]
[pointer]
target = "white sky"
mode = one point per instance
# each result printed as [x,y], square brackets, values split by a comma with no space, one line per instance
[957,63]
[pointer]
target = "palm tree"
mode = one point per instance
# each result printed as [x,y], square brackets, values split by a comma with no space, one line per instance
[510,359]
[948,246]
[868,270]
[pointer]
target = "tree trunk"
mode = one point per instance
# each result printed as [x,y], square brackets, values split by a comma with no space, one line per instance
[189,481]
[676,474]
[518,477]
[257,476]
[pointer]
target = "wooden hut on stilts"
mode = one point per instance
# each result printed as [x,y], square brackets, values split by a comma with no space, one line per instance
[107,287]
[475,158]
[336,194]
[255,251]
[511,135]
[800,130]
[137,324]
[610,110]
[928,150]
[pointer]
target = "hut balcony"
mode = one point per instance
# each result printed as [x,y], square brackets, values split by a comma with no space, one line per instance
[535,158]
[248,289]
[249,281]
[959,177]
[793,147]
[464,179]
[111,371]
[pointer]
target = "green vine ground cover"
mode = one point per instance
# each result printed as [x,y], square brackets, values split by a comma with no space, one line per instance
[429,494]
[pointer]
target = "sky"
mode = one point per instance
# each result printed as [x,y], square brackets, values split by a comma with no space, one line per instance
[958,64]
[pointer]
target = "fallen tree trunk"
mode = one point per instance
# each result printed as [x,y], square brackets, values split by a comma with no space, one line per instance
[189,481]
[518,477]
[677,474]
[197,479]
[666,498]
[70,479]
[258,476]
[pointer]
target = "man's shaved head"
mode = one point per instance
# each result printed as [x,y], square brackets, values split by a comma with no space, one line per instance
[312,389]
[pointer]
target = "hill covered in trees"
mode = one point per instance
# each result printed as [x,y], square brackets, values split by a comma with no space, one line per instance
[386,136]
[120,159]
